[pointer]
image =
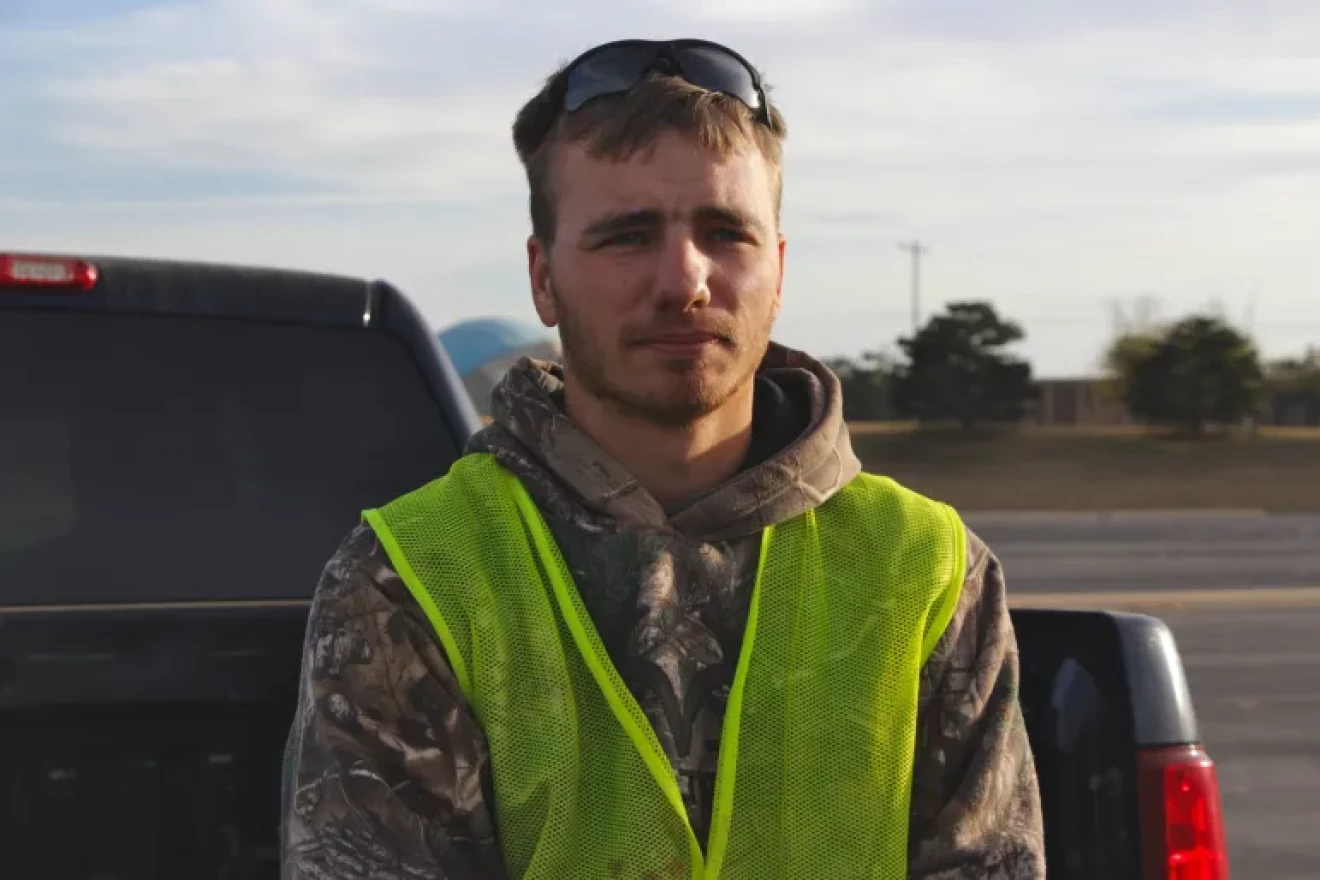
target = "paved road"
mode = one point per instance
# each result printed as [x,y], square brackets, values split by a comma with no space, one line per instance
[1242,596]
[1070,552]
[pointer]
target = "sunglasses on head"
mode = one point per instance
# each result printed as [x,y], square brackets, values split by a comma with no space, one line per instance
[616,67]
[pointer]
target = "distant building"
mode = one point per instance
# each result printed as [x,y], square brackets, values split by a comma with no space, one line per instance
[483,349]
[1090,402]
[1077,402]
[1293,408]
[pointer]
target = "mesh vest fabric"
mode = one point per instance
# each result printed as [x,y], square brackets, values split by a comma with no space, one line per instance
[815,760]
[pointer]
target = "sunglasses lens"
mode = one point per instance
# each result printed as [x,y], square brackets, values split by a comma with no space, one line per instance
[717,71]
[607,72]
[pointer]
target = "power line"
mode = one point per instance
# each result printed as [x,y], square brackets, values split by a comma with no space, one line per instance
[915,250]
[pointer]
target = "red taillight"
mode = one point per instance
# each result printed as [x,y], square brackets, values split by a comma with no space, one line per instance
[30,272]
[1181,817]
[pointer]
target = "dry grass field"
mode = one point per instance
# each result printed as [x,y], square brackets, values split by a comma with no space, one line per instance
[1121,468]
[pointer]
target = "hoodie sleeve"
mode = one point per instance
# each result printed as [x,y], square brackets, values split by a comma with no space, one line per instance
[975,801]
[386,770]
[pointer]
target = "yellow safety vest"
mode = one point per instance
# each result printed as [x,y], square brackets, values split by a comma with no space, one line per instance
[815,762]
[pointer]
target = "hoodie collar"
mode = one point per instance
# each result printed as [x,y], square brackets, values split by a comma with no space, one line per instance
[801,453]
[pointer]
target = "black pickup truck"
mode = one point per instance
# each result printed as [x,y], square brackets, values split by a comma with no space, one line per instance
[182,446]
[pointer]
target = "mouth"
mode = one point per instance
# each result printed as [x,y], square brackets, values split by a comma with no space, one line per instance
[682,344]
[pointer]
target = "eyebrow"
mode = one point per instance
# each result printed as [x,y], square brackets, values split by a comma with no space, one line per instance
[731,217]
[623,221]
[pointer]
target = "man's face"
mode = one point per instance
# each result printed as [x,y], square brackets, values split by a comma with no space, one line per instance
[664,276]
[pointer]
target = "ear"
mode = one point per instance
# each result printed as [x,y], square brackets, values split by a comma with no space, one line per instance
[779,283]
[538,272]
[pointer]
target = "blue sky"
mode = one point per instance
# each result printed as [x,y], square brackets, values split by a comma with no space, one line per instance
[1057,157]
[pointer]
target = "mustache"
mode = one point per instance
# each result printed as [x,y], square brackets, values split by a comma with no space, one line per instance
[722,330]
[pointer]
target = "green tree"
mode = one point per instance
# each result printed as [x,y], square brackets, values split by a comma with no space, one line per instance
[1122,359]
[959,369]
[1196,373]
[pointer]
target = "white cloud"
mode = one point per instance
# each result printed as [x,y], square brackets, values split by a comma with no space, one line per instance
[276,117]
[286,88]
[778,11]
[1054,155]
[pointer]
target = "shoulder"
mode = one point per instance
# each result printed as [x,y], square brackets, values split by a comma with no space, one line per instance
[886,485]
[468,482]
[879,490]
[358,578]
[881,509]
[361,609]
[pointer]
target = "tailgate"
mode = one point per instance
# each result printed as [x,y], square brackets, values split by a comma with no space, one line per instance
[145,743]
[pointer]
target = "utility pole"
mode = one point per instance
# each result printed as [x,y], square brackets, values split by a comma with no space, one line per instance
[915,250]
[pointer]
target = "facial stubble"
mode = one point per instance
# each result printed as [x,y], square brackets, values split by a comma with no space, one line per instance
[695,391]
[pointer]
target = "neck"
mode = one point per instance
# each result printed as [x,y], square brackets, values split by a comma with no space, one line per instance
[672,463]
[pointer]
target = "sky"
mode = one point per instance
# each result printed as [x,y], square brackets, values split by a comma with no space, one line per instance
[1068,160]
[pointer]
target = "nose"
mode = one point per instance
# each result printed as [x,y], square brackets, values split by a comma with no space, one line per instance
[683,276]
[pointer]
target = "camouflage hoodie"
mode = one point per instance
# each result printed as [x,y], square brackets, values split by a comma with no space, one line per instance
[388,772]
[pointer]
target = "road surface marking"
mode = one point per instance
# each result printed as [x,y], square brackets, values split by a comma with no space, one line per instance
[1251,597]
[1252,660]
[992,518]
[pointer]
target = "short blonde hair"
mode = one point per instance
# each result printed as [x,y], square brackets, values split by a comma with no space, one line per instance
[617,126]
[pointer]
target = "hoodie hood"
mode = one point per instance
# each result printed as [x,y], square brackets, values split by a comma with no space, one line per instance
[801,453]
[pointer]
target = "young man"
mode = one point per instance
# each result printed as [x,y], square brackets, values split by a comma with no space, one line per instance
[657,623]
